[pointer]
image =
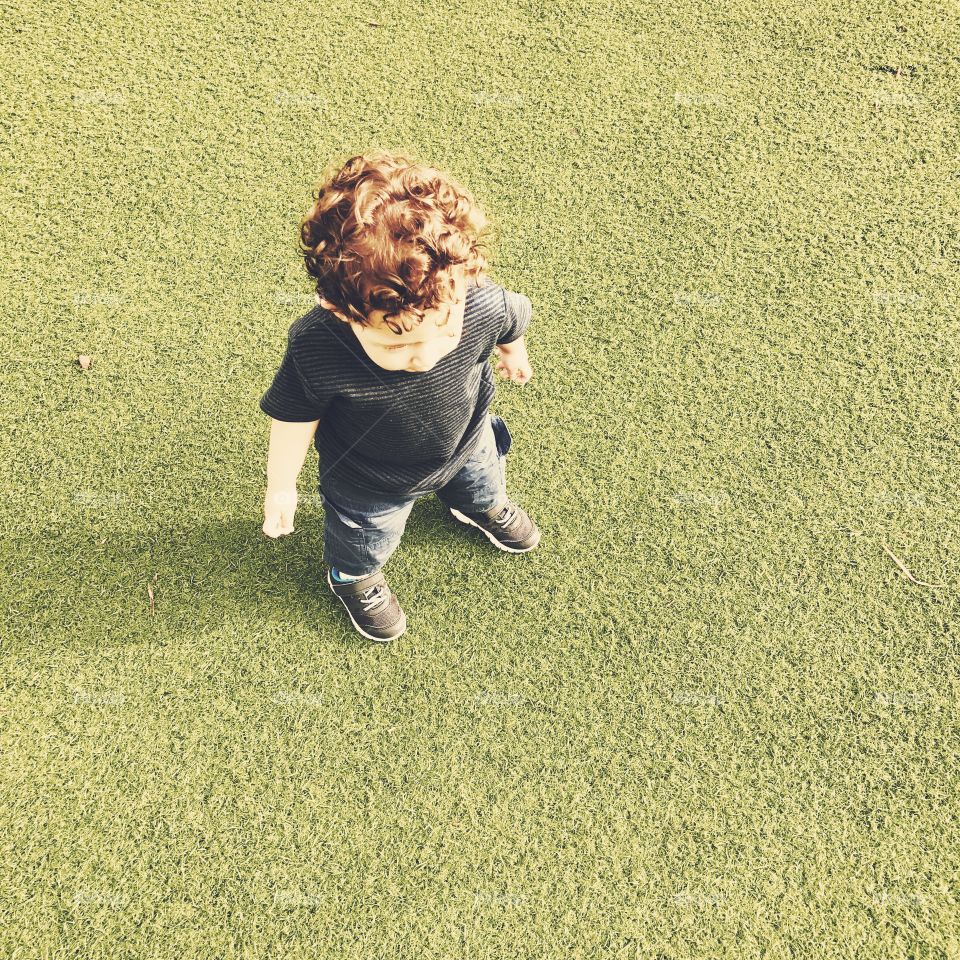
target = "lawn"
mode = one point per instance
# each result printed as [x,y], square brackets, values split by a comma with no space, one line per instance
[714,715]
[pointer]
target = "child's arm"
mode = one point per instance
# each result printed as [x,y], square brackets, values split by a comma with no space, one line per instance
[514,364]
[289,443]
[511,348]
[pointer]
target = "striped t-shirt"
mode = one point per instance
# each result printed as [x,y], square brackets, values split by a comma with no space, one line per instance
[393,432]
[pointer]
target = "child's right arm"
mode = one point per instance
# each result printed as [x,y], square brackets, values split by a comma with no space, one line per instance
[289,443]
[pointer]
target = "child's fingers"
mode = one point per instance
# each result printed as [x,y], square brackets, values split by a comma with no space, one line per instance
[522,375]
[277,531]
[271,528]
[276,526]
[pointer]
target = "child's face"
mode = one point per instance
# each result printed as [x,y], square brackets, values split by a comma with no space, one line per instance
[419,349]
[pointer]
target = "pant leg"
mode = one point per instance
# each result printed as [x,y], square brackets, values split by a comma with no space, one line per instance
[360,534]
[481,483]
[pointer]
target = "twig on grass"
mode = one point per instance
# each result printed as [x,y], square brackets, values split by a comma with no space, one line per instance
[905,571]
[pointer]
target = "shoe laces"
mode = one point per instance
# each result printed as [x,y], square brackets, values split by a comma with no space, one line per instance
[375,597]
[506,515]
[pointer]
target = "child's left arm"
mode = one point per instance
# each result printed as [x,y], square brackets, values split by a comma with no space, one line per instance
[513,362]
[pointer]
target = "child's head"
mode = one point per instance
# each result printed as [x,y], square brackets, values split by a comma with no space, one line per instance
[388,238]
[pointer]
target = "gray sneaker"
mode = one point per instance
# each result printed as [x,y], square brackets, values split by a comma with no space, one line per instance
[373,607]
[507,527]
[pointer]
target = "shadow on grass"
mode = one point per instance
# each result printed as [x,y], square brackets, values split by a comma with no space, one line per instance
[81,584]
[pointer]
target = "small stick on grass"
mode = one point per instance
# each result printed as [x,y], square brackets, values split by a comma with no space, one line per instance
[905,571]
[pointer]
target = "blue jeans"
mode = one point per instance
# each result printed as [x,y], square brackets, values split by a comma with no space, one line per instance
[360,533]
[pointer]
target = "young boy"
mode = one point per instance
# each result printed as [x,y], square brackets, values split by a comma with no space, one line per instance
[390,376]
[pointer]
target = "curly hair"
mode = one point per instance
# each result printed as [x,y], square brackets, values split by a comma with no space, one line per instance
[388,233]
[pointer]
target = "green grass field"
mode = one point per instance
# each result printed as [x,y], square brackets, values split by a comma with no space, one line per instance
[711,716]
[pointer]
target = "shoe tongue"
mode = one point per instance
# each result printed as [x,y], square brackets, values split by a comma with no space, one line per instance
[502,515]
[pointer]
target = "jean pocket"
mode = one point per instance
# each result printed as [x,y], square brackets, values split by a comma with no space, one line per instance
[345,518]
[502,435]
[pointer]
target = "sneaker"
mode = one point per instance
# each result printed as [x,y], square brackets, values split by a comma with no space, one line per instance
[507,527]
[372,605]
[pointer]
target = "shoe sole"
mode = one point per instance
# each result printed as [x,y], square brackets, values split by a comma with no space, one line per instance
[464,519]
[357,625]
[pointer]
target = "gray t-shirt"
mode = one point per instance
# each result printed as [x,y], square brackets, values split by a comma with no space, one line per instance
[392,432]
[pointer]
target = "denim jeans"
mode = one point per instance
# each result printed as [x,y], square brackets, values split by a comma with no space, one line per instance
[360,532]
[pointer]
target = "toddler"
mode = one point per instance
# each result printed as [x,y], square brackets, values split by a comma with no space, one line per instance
[389,376]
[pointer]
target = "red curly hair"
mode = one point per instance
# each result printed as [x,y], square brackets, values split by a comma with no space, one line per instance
[387,233]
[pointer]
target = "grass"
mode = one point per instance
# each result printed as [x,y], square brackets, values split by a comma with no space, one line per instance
[711,716]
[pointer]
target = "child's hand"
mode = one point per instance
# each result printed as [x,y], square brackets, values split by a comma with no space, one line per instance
[279,506]
[513,363]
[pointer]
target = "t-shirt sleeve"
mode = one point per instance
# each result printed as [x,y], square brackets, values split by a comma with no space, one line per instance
[517,313]
[288,397]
